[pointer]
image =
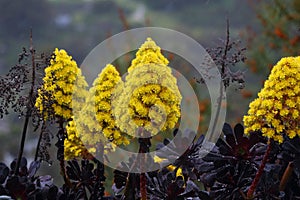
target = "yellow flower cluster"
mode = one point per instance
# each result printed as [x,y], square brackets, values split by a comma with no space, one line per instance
[99,106]
[150,97]
[148,53]
[96,120]
[277,109]
[73,146]
[63,85]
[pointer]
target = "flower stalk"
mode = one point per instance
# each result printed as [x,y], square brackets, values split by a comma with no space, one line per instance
[28,107]
[60,151]
[145,144]
[39,142]
[260,171]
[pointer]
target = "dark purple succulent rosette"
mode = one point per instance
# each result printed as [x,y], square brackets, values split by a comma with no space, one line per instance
[238,145]
[231,166]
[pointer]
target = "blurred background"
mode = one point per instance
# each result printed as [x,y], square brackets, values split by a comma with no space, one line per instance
[268,30]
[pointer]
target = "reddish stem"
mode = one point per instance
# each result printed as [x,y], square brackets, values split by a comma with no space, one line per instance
[259,172]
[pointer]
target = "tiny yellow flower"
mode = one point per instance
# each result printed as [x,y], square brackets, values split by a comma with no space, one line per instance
[158,159]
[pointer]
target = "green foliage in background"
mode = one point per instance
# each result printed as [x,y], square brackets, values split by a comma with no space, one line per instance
[278,35]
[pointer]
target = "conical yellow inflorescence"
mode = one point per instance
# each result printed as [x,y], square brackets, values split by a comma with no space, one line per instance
[148,53]
[99,102]
[96,120]
[276,111]
[63,87]
[150,97]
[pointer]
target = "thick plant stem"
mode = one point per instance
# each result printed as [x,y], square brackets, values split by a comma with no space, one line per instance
[99,189]
[286,176]
[22,144]
[39,143]
[145,144]
[143,180]
[28,107]
[38,147]
[60,151]
[259,172]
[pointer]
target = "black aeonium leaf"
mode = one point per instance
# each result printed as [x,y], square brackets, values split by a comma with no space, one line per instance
[4,171]
[232,164]
[120,179]
[86,176]
[23,166]
[287,153]
[33,168]
[192,190]
[164,185]
[16,188]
